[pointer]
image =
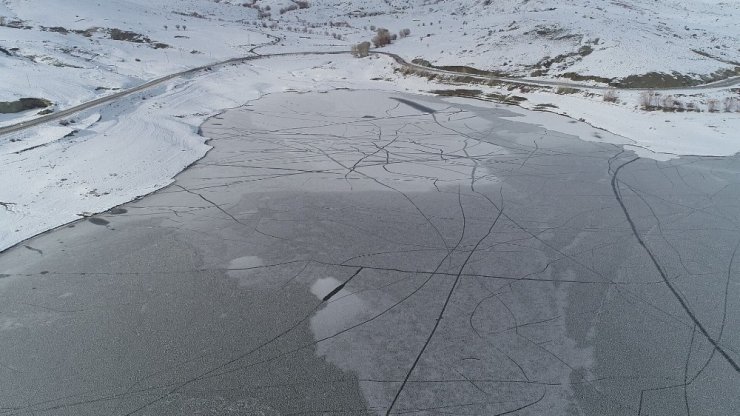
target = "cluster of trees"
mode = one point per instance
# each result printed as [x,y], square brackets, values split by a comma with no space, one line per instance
[382,37]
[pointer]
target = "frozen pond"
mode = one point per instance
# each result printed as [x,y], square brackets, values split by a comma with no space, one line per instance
[363,252]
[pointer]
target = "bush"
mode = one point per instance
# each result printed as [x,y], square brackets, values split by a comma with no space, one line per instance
[713,105]
[361,50]
[610,96]
[670,103]
[566,90]
[731,104]
[649,100]
[382,37]
[404,33]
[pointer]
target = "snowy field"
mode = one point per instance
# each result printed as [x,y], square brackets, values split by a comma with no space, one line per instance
[73,52]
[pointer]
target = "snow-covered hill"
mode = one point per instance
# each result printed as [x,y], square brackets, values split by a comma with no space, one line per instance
[607,39]
[96,47]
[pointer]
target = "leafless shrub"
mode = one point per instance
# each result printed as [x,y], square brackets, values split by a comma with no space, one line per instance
[382,37]
[566,90]
[404,33]
[611,96]
[730,104]
[361,50]
[302,4]
[713,105]
[691,106]
[649,100]
[670,103]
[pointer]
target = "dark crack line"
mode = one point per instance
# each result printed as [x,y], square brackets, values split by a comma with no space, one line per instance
[659,268]
[340,287]
[444,307]
[212,203]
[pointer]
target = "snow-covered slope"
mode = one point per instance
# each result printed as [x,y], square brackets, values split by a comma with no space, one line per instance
[96,47]
[610,39]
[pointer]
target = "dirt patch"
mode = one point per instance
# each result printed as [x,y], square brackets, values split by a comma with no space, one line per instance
[128,36]
[579,78]
[23,104]
[459,92]
[656,80]
[478,94]
[470,70]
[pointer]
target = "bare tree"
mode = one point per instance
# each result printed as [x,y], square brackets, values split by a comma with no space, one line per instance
[731,104]
[713,105]
[649,100]
[610,96]
[361,50]
[382,37]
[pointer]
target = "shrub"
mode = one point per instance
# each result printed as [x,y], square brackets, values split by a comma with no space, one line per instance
[713,105]
[404,33]
[649,100]
[566,90]
[382,37]
[361,50]
[610,96]
[730,104]
[670,103]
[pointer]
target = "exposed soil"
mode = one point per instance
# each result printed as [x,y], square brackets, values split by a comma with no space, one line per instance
[23,104]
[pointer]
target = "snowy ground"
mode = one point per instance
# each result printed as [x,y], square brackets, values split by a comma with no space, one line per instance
[55,173]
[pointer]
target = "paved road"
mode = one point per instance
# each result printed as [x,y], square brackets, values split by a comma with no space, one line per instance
[12,128]
[360,252]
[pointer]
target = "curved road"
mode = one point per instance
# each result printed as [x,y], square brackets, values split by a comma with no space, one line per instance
[113,97]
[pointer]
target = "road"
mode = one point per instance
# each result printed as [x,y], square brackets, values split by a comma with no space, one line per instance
[16,127]
[362,252]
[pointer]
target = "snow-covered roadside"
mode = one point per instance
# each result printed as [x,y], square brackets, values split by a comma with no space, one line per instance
[655,134]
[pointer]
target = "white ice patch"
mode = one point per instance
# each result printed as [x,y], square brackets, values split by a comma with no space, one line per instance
[339,312]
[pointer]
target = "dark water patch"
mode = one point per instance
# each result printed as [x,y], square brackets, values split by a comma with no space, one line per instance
[98,221]
[118,211]
[34,249]
[415,105]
